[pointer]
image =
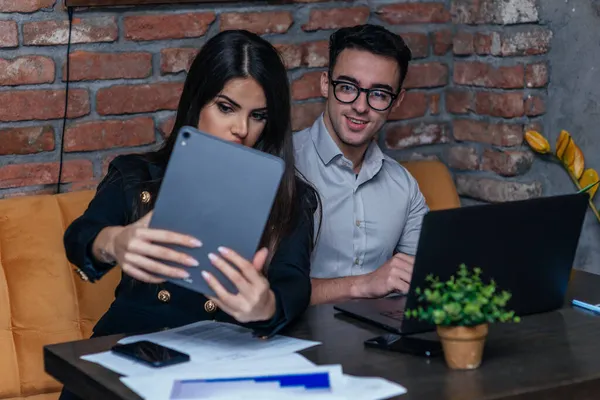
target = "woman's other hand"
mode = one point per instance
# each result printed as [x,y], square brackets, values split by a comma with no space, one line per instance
[255,301]
[138,251]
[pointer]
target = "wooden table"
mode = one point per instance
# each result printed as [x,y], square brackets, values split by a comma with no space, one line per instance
[547,356]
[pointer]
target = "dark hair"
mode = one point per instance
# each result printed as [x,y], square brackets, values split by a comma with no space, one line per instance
[374,39]
[240,54]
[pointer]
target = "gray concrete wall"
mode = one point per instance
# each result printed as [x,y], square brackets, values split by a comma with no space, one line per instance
[573,103]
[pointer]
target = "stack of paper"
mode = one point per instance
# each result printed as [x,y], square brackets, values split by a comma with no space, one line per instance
[227,362]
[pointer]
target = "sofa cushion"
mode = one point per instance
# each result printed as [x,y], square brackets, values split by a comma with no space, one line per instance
[41,300]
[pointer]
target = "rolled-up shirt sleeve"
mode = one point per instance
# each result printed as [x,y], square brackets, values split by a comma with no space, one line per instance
[416,210]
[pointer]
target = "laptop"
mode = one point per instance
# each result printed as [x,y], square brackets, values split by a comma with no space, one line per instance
[526,246]
[219,192]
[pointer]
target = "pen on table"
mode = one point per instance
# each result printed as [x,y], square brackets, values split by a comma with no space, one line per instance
[591,307]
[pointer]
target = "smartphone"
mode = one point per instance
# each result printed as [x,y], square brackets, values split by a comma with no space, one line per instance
[151,354]
[403,344]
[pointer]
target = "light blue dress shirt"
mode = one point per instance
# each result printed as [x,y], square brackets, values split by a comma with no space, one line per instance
[366,218]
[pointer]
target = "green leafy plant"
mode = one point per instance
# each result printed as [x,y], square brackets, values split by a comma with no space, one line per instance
[463,300]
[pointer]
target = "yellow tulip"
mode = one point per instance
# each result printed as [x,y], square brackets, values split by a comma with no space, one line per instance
[562,142]
[589,177]
[537,142]
[573,159]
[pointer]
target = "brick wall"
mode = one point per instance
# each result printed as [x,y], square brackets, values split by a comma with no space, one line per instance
[478,81]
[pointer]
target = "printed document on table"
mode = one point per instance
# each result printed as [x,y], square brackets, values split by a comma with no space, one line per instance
[206,342]
[242,385]
[127,367]
[220,341]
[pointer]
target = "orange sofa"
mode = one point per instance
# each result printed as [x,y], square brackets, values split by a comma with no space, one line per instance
[42,300]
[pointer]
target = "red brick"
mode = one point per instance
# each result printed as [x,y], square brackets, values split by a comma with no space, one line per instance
[35,139]
[166,126]
[476,73]
[426,75]
[493,11]
[25,6]
[484,42]
[442,42]
[89,66]
[507,163]
[307,86]
[459,102]
[463,44]
[23,105]
[334,18]
[434,106]
[315,54]
[414,105]
[260,23]
[291,55]
[507,105]
[9,36]
[304,115]
[405,136]
[26,70]
[534,106]
[536,75]
[131,99]
[466,11]
[15,175]
[100,135]
[176,60]
[167,26]
[496,190]
[463,158]
[418,43]
[534,41]
[88,30]
[505,135]
[414,13]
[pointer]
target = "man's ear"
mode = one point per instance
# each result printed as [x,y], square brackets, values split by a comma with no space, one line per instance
[398,100]
[325,84]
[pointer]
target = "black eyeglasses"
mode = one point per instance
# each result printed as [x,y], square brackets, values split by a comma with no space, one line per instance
[347,92]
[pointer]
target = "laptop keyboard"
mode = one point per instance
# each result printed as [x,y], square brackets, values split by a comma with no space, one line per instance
[396,314]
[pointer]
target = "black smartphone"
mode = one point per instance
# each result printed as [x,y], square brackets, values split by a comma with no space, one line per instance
[151,354]
[404,344]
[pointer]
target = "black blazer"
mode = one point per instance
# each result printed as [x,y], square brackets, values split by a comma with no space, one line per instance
[139,306]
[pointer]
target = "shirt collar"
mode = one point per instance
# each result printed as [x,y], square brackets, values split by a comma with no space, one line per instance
[328,149]
[324,144]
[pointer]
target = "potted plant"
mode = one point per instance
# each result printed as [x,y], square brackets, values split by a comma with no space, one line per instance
[462,308]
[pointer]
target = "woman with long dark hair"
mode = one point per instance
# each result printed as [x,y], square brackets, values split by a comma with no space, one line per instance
[236,89]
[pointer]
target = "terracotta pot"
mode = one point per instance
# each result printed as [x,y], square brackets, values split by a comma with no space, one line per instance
[463,345]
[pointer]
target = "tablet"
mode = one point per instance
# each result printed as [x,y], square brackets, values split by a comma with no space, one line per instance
[219,192]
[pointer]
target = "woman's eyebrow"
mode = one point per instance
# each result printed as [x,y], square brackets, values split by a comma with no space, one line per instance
[229,100]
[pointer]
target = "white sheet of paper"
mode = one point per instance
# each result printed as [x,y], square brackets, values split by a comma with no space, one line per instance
[206,342]
[160,386]
[219,341]
[342,386]
[124,366]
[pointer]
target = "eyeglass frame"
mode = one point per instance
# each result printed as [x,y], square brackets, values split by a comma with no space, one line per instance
[336,82]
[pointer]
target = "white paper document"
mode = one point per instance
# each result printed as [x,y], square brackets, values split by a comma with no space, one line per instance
[228,362]
[264,384]
[205,342]
[127,367]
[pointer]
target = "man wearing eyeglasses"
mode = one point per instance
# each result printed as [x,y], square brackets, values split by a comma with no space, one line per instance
[372,207]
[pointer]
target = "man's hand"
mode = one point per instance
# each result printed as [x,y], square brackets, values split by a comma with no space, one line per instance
[393,276]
